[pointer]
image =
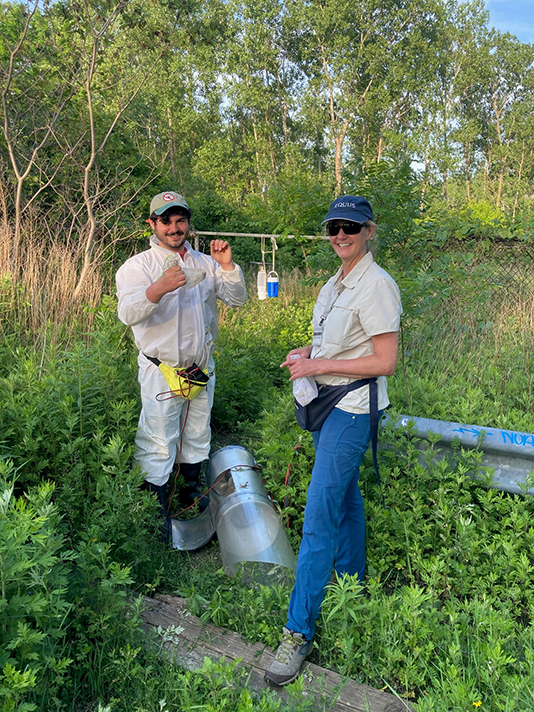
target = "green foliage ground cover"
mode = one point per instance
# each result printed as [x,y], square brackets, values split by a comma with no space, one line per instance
[446,614]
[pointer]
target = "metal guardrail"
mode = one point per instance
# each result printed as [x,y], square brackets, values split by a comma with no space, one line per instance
[508,452]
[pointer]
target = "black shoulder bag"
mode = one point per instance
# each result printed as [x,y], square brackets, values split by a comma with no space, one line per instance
[312,416]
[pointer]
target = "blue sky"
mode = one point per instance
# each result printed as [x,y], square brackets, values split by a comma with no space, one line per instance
[515,16]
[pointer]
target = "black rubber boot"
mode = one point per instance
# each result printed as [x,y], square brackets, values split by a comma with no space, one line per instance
[191,492]
[161,494]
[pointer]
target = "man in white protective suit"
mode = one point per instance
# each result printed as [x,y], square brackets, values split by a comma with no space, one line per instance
[168,295]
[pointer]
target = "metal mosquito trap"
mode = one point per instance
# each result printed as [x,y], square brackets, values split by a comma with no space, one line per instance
[247,524]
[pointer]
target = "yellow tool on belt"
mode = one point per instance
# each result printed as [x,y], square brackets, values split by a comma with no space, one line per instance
[183,382]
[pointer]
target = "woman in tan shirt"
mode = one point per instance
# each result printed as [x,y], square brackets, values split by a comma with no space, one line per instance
[355,336]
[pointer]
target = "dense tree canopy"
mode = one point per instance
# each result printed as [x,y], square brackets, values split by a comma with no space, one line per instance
[105,101]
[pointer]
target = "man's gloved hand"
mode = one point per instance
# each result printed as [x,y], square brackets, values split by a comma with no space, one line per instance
[171,279]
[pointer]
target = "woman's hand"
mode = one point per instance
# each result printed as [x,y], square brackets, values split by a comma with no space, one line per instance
[301,367]
[299,363]
[381,362]
[303,352]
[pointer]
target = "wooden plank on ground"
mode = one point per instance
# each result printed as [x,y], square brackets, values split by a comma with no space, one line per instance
[192,641]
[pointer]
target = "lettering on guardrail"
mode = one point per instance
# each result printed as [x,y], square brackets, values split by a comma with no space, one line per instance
[509,437]
[517,438]
[471,431]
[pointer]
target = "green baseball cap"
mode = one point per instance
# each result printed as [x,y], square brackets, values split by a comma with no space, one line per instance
[163,201]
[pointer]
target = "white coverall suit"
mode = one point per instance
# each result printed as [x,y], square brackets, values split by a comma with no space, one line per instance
[180,330]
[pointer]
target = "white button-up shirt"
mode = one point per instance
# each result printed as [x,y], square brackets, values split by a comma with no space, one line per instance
[348,313]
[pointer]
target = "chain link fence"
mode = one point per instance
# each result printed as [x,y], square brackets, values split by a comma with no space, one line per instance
[484,279]
[508,269]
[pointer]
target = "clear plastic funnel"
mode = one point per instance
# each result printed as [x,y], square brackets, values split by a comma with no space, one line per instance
[249,529]
[247,523]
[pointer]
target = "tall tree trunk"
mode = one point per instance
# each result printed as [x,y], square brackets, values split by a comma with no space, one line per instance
[338,165]
[172,148]
[519,177]
[256,151]
[486,174]
[467,161]
[271,147]
[379,149]
[284,122]
[271,151]
[499,184]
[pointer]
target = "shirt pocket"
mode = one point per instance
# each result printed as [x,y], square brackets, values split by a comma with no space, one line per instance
[339,327]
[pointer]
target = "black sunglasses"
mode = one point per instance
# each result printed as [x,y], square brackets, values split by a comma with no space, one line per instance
[349,228]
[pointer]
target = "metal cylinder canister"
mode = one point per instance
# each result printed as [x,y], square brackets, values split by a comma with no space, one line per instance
[247,523]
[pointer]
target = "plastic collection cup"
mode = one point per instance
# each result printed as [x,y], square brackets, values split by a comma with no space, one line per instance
[272,284]
[262,284]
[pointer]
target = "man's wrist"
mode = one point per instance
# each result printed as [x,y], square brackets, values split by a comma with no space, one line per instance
[229,267]
[153,293]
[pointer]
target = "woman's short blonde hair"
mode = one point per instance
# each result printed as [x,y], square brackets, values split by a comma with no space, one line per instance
[371,242]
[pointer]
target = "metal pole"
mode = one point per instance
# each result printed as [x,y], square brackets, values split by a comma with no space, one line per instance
[257,234]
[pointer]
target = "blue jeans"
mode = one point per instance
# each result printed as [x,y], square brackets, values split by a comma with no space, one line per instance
[334,524]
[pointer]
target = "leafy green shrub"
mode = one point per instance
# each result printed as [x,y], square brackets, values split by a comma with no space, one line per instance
[295,203]
[54,405]
[34,605]
[450,654]
[253,342]
[103,621]
[477,219]
[395,196]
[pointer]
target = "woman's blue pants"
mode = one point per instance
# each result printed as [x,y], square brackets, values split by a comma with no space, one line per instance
[333,534]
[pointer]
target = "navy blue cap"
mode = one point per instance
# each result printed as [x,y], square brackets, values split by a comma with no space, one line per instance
[350,207]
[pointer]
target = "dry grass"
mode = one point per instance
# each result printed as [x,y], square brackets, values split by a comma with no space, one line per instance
[515,320]
[465,341]
[37,287]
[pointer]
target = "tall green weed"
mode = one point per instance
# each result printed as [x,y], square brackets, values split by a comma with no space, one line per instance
[34,605]
[68,419]
[253,342]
